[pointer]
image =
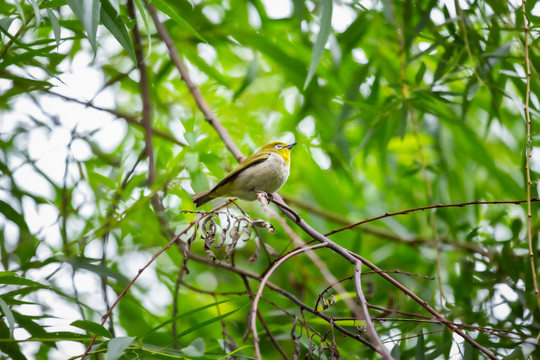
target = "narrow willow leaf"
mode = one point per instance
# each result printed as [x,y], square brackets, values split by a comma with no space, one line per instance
[322,37]
[202,324]
[87,11]
[11,214]
[7,279]
[167,9]
[252,72]
[92,327]
[20,10]
[144,16]
[55,26]
[160,352]
[5,23]
[196,348]
[117,346]
[113,22]
[98,269]
[186,314]
[420,347]
[9,316]
[36,12]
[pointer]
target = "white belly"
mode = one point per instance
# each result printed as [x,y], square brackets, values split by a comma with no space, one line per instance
[267,176]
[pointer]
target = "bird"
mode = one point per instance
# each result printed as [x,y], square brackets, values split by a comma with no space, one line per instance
[263,172]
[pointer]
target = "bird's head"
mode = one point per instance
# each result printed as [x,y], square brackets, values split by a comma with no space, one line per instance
[279,148]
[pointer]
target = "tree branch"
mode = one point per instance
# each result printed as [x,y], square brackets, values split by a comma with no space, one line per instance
[195,92]
[528,148]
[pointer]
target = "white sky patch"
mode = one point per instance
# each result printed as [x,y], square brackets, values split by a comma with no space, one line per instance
[342,16]
[321,158]
[207,52]
[214,13]
[536,9]
[307,126]
[254,18]
[359,55]
[423,46]
[503,293]
[81,150]
[291,98]
[535,159]
[437,16]
[278,9]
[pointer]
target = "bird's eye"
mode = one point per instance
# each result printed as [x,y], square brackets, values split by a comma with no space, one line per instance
[279,146]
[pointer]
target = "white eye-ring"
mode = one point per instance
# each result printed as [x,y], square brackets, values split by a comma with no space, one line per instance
[279,146]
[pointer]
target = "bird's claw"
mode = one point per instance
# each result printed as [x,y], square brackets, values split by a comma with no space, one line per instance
[264,195]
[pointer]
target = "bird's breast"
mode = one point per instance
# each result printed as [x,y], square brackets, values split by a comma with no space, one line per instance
[267,176]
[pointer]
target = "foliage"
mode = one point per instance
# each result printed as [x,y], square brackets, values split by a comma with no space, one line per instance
[395,105]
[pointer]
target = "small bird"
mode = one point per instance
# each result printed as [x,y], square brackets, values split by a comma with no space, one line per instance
[265,171]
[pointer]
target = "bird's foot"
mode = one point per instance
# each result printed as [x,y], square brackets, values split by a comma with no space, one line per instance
[263,195]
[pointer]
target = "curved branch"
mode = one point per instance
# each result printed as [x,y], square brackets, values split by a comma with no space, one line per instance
[370,328]
[253,311]
[352,257]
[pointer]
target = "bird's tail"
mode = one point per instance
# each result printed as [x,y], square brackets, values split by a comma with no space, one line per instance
[202,197]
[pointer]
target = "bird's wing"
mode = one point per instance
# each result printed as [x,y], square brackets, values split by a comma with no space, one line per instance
[250,161]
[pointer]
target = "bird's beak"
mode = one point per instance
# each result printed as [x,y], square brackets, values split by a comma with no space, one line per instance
[291,145]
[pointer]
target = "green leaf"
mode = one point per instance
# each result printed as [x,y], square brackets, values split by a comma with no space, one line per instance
[9,316]
[36,11]
[10,348]
[322,37]
[113,22]
[194,311]
[87,11]
[396,352]
[5,23]
[144,16]
[11,214]
[167,9]
[420,74]
[55,26]
[117,346]
[92,327]
[195,349]
[202,324]
[8,278]
[420,346]
[252,72]
[98,269]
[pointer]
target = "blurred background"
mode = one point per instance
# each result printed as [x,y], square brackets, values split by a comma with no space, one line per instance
[394,104]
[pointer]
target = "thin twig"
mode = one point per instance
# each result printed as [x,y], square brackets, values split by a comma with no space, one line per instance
[131,119]
[528,147]
[321,265]
[367,273]
[428,207]
[229,267]
[361,313]
[145,95]
[141,270]
[352,257]
[412,241]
